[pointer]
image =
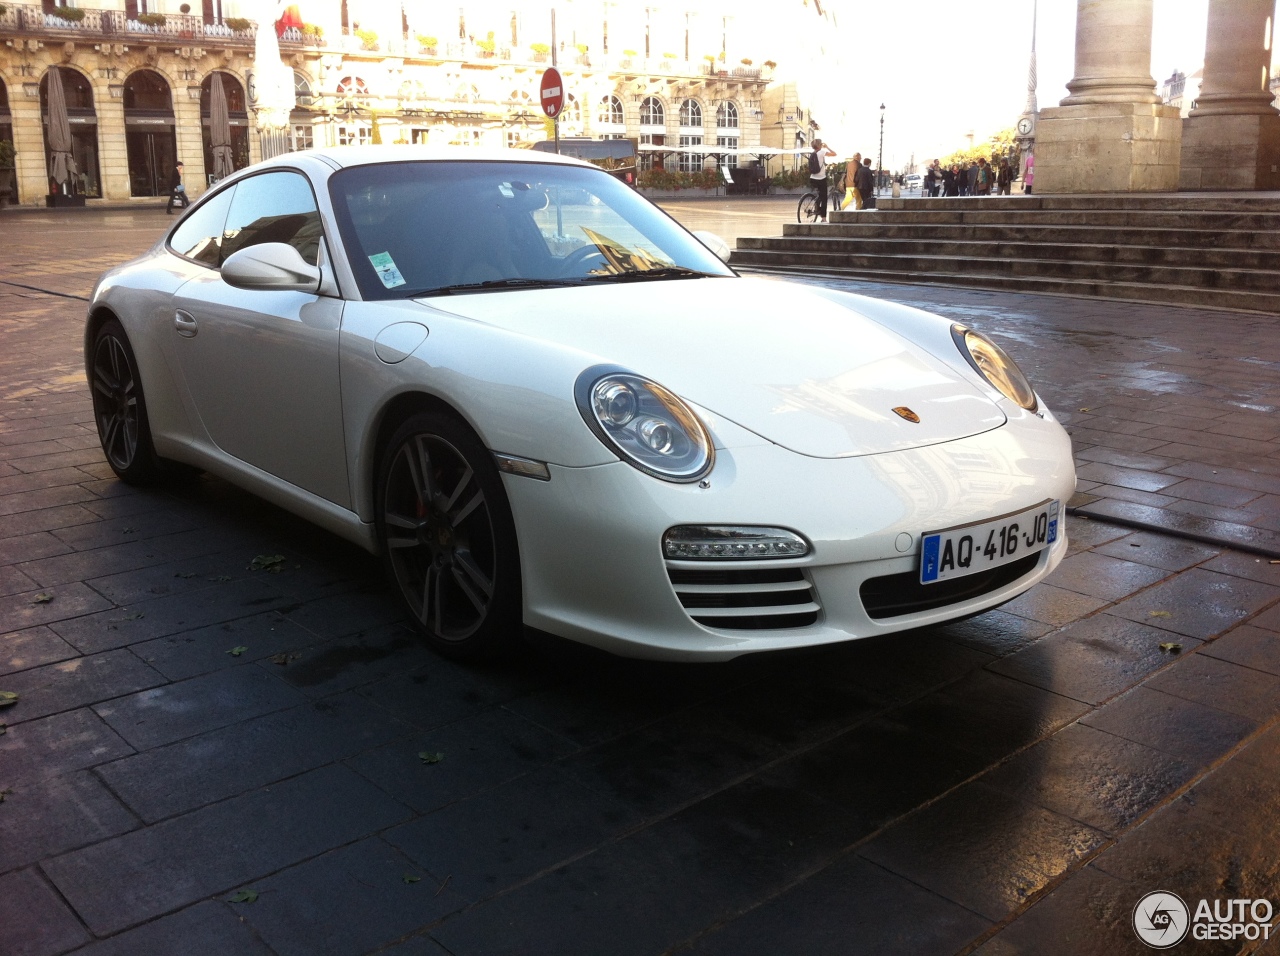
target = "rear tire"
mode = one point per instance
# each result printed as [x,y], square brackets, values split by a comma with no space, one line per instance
[807,210]
[448,538]
[120,408]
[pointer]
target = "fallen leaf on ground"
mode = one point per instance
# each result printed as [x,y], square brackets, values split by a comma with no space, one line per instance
[244,896]
[220,578]
[427,757]
[273,563]
[410,878]
[184,574]
[3,794]
[8,698]
[237,651]
[283,659]
[129,531]
[4,729]
[42,599]
[1159,614]
[137,616]
[1171,647]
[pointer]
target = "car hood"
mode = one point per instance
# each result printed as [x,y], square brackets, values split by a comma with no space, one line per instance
[793,367]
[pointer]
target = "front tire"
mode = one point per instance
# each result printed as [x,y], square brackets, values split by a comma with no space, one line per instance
[448,538]
[120,408]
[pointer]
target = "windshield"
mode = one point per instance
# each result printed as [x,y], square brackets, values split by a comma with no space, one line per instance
[445,228]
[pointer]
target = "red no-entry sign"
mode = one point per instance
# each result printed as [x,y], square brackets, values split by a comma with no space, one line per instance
[552,92]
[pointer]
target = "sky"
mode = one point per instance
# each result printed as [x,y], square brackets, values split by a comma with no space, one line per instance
[941,75]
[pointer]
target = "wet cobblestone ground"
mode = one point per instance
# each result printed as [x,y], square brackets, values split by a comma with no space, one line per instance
[1011,784]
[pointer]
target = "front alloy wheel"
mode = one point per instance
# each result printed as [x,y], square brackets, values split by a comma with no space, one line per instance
[449,538]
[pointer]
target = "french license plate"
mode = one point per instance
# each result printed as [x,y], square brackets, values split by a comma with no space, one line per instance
[983,545]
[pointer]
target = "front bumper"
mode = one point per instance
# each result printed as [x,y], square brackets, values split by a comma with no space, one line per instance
[593,568]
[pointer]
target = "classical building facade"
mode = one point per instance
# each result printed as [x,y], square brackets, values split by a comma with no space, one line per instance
[137,79]
[1113,133]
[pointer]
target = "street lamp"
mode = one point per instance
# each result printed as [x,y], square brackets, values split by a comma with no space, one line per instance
[880,158]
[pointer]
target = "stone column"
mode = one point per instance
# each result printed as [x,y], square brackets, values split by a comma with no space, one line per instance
[1111,134]
[1231,139]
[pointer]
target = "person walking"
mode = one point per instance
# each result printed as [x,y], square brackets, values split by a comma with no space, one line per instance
[1028,172]
[852,197]
[866,183]
[1004,177]
[818,175]
[177,190]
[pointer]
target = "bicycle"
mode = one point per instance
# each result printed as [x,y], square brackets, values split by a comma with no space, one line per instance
[807,208]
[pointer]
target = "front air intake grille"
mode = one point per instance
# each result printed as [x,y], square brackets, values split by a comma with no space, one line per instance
[742,600]
[896,594]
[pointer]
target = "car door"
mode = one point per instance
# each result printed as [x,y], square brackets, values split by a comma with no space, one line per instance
[261,366]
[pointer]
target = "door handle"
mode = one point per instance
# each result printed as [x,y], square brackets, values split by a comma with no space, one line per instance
[185,323]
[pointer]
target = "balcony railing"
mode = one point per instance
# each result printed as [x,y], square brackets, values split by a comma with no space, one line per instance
[114,23]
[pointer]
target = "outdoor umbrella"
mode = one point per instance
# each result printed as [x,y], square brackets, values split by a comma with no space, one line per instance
[59,128]
[220,129]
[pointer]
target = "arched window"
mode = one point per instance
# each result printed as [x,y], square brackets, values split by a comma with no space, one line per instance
[572,109]
[238,120]
[302,96]
[727,116]
[411,90]
[691,113]
[611,111]
[652,113]
[82,177]
[149,133]
[353,85]
[147,90]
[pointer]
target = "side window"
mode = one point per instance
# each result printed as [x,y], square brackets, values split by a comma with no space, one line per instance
[274,207]
[199,235]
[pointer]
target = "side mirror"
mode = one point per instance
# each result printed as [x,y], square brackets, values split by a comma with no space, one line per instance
[714,243]
[271,266]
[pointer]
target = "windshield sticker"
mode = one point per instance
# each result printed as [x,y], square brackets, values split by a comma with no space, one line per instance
[385,266]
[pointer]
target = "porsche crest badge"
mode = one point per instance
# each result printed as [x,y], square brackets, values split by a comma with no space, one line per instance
[903,412]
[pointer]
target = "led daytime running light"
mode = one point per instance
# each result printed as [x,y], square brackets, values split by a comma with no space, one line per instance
[731,542]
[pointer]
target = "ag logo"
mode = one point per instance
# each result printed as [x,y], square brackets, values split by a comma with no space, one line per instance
[1161,919]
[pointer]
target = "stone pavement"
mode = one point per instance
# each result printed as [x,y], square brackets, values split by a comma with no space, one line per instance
[210,759]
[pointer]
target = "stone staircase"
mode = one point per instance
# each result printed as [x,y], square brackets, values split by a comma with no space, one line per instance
[1187,249]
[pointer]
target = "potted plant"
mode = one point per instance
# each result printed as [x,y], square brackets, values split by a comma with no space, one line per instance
[486,45]
[152,19]
[313,31]
[7,154]
[368,39]
[237,24]
[70,14]
[428,43]
[540,51]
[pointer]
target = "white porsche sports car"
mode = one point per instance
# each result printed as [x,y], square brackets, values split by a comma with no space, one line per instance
[547,403]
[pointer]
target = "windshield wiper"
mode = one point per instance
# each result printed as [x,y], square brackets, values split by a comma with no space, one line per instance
[464,287]
[663,272]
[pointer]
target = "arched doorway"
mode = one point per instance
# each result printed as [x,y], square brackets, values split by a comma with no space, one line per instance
[149,138]
[86,180]
[238,115]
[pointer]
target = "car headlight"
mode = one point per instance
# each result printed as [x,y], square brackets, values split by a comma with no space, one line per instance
[995,366]
[646,425]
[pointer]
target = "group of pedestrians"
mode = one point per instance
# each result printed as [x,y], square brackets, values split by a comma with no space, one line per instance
[859,181]
[976,179]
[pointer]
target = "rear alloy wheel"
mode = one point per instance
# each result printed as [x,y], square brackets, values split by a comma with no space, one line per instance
[119,408]
[448,537]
